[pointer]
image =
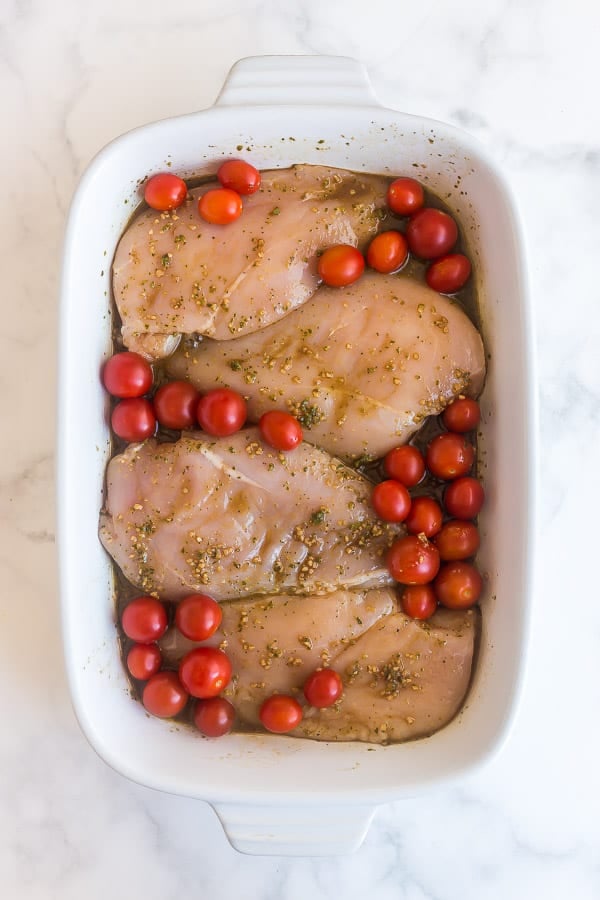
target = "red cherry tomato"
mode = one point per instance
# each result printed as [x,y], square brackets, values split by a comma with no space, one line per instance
[448,273]
[133,419]
[198,616]
[449,456]
[238,175]
[280,430]
[165,191]
[205,672]
[127,375]
[464,498]
[457,540]
[175,404]
[144,620]
[458,585]
[419,601]
[405,196]
[425,517]
[391,501]
[164,695]
[387,251]
[143,660]
[220,206]
[280,713]
[405,464]
[214,717]
[413,560]
[221,412]
[462,415]
[431,233]
[341,265]
[323,688]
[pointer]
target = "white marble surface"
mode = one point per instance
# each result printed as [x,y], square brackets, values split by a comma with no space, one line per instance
[521,76]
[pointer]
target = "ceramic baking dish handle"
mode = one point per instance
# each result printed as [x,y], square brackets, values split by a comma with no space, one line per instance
[294,830]
[297,81]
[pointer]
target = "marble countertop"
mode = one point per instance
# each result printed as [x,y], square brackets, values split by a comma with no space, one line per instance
[523,78]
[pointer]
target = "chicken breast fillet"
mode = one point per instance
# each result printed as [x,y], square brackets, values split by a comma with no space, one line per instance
[174,274]
[277,641]
[402,678]
[360,366]
[232,517]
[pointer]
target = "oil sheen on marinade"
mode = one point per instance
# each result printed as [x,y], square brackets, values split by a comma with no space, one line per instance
[124,591]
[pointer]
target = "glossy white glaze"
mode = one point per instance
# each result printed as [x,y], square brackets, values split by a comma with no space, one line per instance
[520,78]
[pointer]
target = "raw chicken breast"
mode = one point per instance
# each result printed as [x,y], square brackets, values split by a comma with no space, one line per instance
[232,517]
[360,366]
[175,274]
[274,643]
[402,678]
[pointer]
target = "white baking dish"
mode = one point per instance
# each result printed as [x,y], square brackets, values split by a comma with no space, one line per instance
[279,795]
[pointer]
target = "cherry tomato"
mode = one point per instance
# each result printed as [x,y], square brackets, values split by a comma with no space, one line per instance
[175,404]
[405,464]
[431,233]
[133,419]
[449,456]
[127,375]
[387,251]
[462,415]
[464,498]
[280,713]
[448,273]
[419,601]
[341,265]
[220,206]
[458,585]
[280,430]
[214,717]
[205,672]
[405,196]
[144,620]
[238,175]
[164,695]
[143,660]
[323,688]
[413,560]
[165,191]
[391,501]
[425,517]
[221,412]
[457,540]
[198,616]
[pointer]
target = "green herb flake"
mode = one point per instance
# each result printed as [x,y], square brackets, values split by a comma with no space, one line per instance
[147,527]
[235,365]
[308,414]
[394,677]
